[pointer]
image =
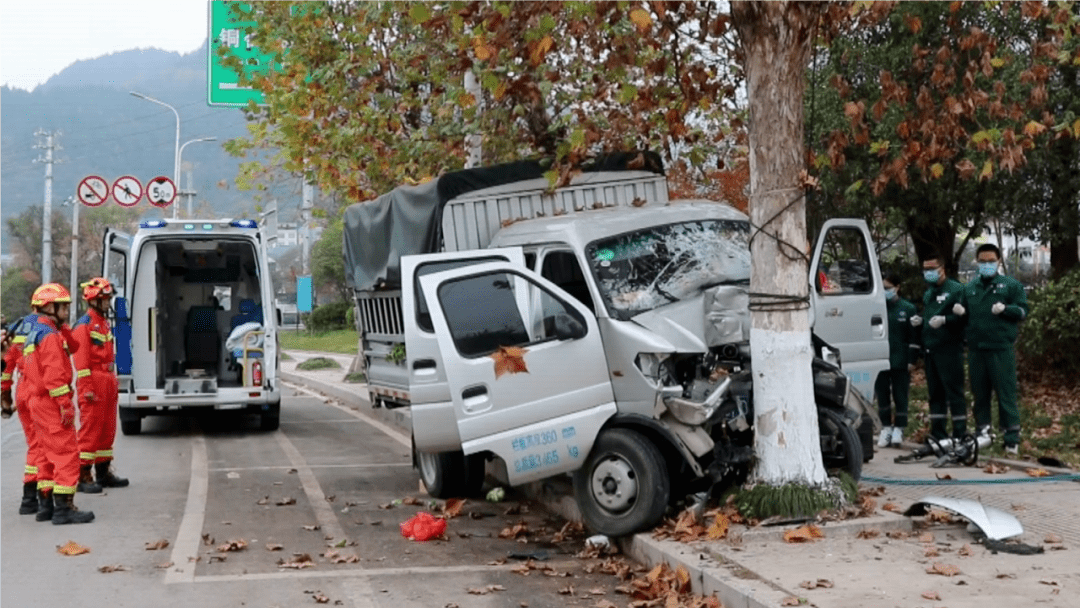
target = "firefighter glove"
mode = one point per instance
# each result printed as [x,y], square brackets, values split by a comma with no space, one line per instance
[958,309]
[937,321]
[997,308]
[916,321]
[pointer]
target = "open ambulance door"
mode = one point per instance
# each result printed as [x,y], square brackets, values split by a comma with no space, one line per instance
[114,267]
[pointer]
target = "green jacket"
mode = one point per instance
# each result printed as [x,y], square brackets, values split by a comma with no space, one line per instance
[939,300]
[985,330]
[903,338]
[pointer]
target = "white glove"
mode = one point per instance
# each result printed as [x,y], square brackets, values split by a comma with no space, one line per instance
[916,321]
[937,321]
[958,309]
[997,308]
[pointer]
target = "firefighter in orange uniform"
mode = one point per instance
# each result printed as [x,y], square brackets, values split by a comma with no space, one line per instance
[36,488]
[48,366]
[97,388]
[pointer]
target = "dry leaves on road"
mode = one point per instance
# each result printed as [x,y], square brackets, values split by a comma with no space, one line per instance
[157,544]
[263,501]
[284,502]
[274,546]
[926,537]
[1052,539]
[320,598]
[792,600]
[719,527]
[485,590]
[663,586]
[452,507]
[822,583]
[113,568]
[803,534]
[232,545]
[335,557]
[892,506]
[995,468]
[164,565]
[299,561]
[943,569]
[1040,472]
[517,530]
[312,528]
[868,533]
[931,595]
[72,548]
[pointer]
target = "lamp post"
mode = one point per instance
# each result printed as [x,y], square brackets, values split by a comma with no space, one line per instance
[74,256]
[176,149]
[189,194]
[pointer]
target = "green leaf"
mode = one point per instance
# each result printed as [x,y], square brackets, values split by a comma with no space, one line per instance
[418,12]
[627,93]
[853,188]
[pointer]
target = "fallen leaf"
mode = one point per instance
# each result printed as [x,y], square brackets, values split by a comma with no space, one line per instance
[284,502]
[943,569]
[719,527]
[164,565]
[597,591]
[218,558]
[944,477]
[207,540]
[1048,582]
[516,531]
[410,500]
[1040,472]
[312,528]
[931,552]
[320,598]
[233,545]
[892,506]
[995,468]
[821,582]
[931,595]
[299,562]
[791,600]
[926,537]
[868,533]
[158,544]
[965,550]
[115,568]
[509,360]
[264,500]
[72,548]
[485,590]
[1052,539]
[803,534]
[274,547]
[567,590]
[452,507]
[602,603]
[1005,575]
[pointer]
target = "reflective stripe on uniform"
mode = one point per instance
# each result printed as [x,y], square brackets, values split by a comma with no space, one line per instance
[45,484]
[86,455]
[19,340]
[82,373]
[5,376]
[30,470]
[29,348]
[104,454]
[60,390]
[59,489]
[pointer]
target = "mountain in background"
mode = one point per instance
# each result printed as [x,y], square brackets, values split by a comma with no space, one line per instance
[105,131]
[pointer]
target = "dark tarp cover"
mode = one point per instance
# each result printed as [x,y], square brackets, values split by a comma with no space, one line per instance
[407,220]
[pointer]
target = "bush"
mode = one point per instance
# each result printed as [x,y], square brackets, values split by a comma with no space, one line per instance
[329,316]
[1051,332]
[350,316]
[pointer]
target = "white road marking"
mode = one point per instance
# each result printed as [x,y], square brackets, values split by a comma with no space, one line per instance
[314,466]
[403,439]
[324,513]
[190,532]
[373,572]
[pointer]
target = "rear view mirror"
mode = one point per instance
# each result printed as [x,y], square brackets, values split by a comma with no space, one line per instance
[568,328]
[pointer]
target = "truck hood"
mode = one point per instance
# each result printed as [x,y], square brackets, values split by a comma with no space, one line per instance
[719,315]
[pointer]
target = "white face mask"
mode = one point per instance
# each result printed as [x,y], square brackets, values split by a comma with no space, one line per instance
[890,293]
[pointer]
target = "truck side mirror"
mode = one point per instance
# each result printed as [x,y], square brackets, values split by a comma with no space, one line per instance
[568,328]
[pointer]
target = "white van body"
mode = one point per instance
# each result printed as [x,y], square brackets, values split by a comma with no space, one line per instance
[196,325]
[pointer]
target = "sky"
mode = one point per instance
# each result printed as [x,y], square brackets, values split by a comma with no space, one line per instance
[39,38]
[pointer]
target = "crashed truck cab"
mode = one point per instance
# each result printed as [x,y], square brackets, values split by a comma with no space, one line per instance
[195,323]
[548,336]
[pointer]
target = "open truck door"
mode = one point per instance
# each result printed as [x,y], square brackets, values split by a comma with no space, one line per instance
[525,366]
[848,301]
[116,247]
[432,410]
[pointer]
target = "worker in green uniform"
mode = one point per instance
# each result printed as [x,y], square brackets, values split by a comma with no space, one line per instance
[893,384]
[994,304]
[943,351]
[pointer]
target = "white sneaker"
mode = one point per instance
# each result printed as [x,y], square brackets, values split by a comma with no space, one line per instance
[1012,449]
[897,436]
[885,436]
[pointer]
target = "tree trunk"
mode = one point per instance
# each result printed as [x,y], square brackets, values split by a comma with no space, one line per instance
[776,38]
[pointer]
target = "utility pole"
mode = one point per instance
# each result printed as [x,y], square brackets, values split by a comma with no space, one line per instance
[74,255]
[46,222]
[305,226]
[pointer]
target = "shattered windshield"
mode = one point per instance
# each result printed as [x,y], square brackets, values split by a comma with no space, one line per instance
[642,270]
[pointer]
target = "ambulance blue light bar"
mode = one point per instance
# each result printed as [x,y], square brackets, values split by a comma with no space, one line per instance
[243,224]
[152,224]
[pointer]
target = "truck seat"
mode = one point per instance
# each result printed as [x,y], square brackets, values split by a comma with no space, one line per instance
[202,342]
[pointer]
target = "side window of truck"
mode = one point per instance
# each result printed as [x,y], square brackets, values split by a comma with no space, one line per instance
[423,315]
[514,312]
[562,268]
[844,267]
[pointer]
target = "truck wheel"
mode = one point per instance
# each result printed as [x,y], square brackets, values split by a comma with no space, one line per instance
[270,419]
[451,474]
[623,487]
[840,444]
[130,422]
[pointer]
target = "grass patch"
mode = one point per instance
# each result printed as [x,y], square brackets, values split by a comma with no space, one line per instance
[356,378]
[342,341]
[318,363]
[285,357]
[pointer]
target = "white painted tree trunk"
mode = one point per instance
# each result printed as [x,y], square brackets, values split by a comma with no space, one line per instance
[776,38]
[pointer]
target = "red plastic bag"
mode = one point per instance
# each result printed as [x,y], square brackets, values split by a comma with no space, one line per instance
[423,526]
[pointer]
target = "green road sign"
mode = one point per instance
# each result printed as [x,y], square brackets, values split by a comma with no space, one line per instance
[230,32]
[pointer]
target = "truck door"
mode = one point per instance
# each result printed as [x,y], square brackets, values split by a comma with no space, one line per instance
[525,365]
[432,411]
[848,300]
[116,247]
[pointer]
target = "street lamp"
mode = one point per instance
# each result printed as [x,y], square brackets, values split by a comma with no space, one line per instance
[180,163]
[176,150]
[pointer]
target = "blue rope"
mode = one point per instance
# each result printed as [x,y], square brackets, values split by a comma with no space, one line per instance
[963,482]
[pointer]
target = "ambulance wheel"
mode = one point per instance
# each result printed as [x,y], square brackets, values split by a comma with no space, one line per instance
[451,474]
[270,419]
[623,487]
[130,422]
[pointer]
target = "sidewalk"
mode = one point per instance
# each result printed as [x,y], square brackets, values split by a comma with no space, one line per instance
[878,561]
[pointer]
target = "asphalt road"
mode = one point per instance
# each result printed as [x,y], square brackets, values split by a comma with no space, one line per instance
[223,495]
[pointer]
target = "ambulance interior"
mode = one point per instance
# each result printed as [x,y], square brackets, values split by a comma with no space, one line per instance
[206,290]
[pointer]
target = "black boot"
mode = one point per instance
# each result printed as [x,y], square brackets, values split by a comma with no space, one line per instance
[86,480]
[45,506]
[66,513]
[106,478]
[29,504]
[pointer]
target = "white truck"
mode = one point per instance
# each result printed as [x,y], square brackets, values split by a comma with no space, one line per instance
[191,332]
[598,329]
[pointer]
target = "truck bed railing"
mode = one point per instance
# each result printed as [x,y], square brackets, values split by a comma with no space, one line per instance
[379,315]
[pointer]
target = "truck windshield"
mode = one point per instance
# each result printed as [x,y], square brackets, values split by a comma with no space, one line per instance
[639,271]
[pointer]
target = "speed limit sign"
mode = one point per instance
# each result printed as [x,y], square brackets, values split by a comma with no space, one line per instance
[161,191]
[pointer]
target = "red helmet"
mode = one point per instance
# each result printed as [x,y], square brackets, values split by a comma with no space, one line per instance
[50,292]
[97,287]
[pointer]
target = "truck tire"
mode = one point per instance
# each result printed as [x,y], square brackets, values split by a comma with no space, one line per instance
[130,422]
[270,419]
[623,487]
[451,474]
[841,447]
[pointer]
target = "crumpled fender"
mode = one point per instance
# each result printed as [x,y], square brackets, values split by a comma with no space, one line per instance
[994,523]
